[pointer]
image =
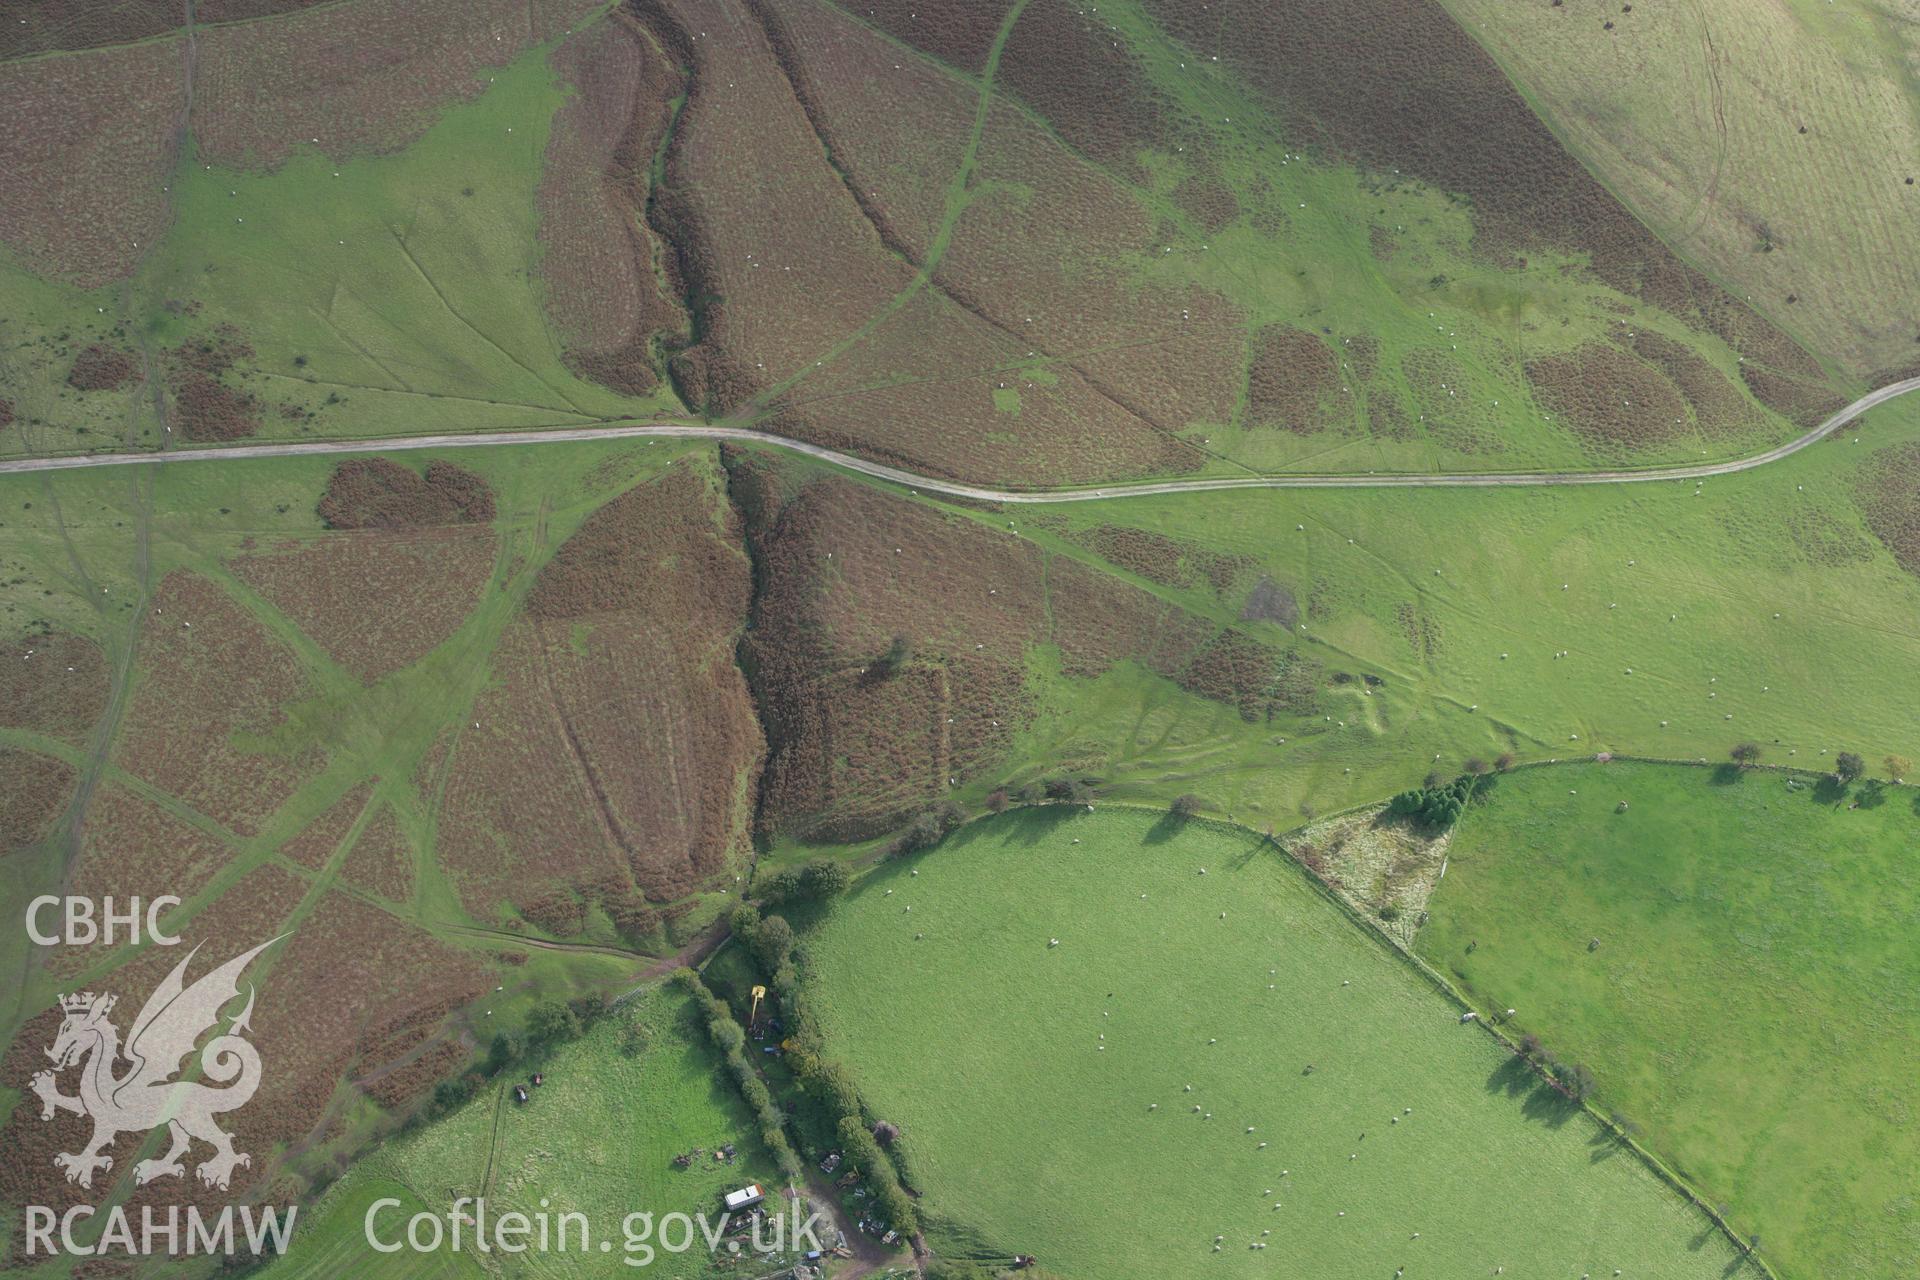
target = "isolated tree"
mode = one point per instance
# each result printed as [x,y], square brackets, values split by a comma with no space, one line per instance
[1475,766]
[997,800]
[1848,767]
[504,1049]
[823,878]
[552,1022]
[1746,755]
[773,942]
[780,886]
[1898,767]
[1504,761]
[1186,806]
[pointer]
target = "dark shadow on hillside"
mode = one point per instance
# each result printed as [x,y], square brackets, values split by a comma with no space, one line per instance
[1483,788]
[1542,1102]
[1549,1106]
[1829,790]
[1872,796]
[1042,820]
[1605,1144]
[1255,847]
[1725,774]
[1512,1077]
[1170,825]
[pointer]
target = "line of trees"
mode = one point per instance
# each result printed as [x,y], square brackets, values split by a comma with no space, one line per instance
[1572,1078]
[874,1149]
[1848,766]
[820,880]
[731,1041]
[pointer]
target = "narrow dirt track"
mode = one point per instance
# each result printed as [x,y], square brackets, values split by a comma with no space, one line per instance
[673,429]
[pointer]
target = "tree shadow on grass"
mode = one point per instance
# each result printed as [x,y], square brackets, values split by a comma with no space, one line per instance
[1170,825]
[1542,1102]
[1725,774]
[1042,820]
[1605,1144]
[1829,790]
[1549,1106]
[1512,1077]
[1872,795]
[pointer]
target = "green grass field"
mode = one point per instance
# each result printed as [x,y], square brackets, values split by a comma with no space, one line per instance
[1752,1001]
[1025,1073]
[599,1138]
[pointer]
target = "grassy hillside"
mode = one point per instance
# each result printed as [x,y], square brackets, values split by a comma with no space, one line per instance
[1772,143]
[325,296]
[1750,1000]
[1046,1087]
[1387,633]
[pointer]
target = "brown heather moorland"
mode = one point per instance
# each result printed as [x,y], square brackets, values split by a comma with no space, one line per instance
[602,264]
[86,152]
[425,582]
[206,676]
[53,683]
[375,493]
[33,790]
[1888,494]
[102,368]
[618,746]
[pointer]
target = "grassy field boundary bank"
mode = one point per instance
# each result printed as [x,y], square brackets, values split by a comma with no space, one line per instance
[1665,1172]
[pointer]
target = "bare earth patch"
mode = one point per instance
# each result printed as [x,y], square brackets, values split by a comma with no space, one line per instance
[1385,868]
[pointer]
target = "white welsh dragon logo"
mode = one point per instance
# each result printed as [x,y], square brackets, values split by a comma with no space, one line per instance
[147,1095]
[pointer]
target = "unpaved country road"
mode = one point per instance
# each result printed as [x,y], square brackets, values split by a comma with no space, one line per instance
[665,429]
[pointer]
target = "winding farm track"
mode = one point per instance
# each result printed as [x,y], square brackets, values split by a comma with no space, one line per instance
[672,429]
